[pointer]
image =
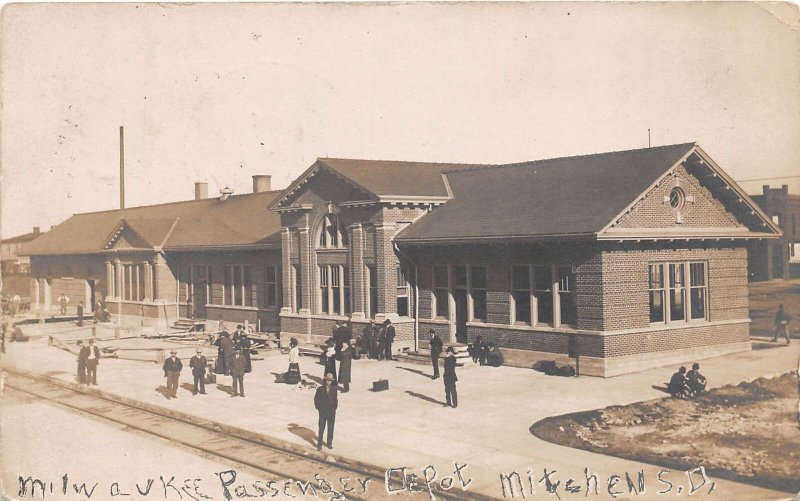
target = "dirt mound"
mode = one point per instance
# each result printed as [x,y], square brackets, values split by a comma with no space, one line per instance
[748,432]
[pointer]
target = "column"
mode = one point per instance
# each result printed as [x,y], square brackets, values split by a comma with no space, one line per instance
[306,273]
[110,281]
[148,282]
[48,300]
[118,280]
[386,264]
[87,298]
[286,271]
[36,305]
[356,254]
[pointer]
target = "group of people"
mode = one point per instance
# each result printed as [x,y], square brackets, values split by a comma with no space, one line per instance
[233,357]
[485,353]
[88,359]
[172,371]
[684,384]
[376,342]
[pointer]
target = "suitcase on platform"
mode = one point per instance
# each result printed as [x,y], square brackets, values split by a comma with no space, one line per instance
[380,385]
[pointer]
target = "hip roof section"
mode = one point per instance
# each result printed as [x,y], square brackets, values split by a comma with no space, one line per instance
[238,221]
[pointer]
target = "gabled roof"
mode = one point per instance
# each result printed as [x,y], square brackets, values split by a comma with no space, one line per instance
[382,180]
[570,197]
[239,221]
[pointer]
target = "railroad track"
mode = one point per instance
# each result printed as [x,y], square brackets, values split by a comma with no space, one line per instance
[205,438]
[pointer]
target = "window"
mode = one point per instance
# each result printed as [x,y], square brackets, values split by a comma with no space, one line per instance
[478,291]
[132,282]
[543,291]
[521,294]
[298,287]
[679,296]
[114,286]
[331,235]
[324,289]
[346,287]
[677,292]
[566,295]
[697,287]
[656,290]
[402,292]
[677,198]
[372,276]
[441,295]
[270,299]
[237,285]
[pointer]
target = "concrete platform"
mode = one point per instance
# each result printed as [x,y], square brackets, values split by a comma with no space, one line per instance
[408,426]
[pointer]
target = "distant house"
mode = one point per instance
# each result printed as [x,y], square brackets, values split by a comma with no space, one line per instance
[621,261]
[777,258]
[15,267]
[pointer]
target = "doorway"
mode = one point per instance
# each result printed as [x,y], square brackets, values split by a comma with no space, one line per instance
[460,296]
[198,291]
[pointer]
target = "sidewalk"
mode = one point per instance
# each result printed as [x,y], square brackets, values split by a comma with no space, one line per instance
[408,426]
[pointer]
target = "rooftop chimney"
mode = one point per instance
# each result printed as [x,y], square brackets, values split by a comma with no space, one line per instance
[36,230]
[765,188]
[785,188]
[224,193]
[262,183]
[200,190]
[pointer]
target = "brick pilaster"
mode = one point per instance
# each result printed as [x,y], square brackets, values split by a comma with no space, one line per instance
[357,270]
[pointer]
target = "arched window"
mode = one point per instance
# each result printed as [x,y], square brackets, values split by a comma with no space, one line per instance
[331,234]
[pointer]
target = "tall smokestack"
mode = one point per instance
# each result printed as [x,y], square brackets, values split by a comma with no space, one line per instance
[121,168]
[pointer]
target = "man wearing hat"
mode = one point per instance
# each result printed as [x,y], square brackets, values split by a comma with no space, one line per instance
[172,371]
[198,364]
[237,372]
[91,357]
[326,400]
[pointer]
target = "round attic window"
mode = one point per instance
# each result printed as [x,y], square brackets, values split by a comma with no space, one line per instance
[677,198]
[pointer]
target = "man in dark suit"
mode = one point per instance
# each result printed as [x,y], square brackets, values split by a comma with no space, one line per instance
[326,400]
[198,364]
[172,371]
[388,339]
[436,350]
[450,378]
[81,364]
[80,314]
[237,372]
[91,358]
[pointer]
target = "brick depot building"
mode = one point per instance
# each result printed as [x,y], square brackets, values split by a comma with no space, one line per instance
[623,260]
[777,258]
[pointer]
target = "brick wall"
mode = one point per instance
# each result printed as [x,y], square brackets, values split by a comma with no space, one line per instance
[654,212]
[625,282]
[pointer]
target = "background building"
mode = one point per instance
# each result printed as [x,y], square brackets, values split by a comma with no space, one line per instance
[16,273]
[777,258]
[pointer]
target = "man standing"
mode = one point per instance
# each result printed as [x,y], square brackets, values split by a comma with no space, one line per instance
[389,339]
[81,364]
[346,364]
[326,400]
[781,324]
[373,340]
[450,378]
[80,314]
[198,365]
[91,358]
[436,350]
[336,336]
[237,372]
[172,371]
[228,349]
[62,304]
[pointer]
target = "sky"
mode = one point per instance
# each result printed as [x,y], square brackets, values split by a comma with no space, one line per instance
[221,92]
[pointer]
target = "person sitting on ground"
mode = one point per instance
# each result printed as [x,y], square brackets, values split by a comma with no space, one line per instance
[697,382]
[678,385]
[494,358]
